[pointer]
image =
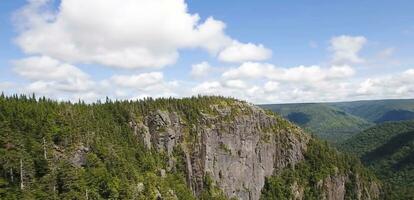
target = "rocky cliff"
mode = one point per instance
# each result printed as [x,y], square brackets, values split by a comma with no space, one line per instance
[237,147]
[190,148]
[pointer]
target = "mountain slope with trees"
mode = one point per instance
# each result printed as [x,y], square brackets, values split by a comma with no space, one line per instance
[190,148]
[325,121]
[379,111]
[388,149]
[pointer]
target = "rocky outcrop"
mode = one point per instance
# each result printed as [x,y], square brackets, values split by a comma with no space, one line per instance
[334,188]
[237,146]
[237,154]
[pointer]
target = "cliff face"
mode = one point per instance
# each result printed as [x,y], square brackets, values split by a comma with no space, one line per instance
[191,148]
[237,151]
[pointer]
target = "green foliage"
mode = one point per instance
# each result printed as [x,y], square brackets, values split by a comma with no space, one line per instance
[320,162]
[115,161]
[374,110]
[211,191]
[325,121]
[388,149]
[62,150]
[372,138]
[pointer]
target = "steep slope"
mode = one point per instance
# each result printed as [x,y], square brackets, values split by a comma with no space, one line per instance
[374,137]
[205,147]
[325,121]
[389,150]
[379,111]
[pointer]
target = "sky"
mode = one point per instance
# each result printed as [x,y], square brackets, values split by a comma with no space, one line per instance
[259,51]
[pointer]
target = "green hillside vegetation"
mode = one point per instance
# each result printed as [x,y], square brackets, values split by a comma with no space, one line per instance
[327,122]
[36,137]
[379,110]
[388,149]
[321,161]
[374,137]
[41,141]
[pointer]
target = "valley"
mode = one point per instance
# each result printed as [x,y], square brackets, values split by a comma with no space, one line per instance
[379,132]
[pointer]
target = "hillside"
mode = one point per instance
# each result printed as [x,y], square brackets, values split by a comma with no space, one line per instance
[190,148]
[389,150]
[325,121]
[379,111]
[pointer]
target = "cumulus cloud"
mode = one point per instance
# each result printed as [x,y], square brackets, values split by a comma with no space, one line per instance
[293,74]
[46,68]
[239,52]
[271,86]
[137,81]
[391,86]
[266,83]
[150,34]
[137,86]
[248,70]
[200,70]
[49,74]
[127,34]
[237,83]
[345,49]
[231,88]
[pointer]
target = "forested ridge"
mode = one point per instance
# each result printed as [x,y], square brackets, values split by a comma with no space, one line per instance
[388,150]
[323,120]
[38,134]
[63,150]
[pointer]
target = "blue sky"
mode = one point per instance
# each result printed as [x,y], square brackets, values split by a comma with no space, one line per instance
[262,51]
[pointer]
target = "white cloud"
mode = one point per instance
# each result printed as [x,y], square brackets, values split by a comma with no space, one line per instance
[239,52]
[45,71]
[294,74]
[208,87]
[54,79]
[266,83]
[200,70]
[239,84]
[346,48]
[391,86]
[46,68]
[271,86]
[137,81]
[150,34]
[248,70]
[127,34]
[138,86]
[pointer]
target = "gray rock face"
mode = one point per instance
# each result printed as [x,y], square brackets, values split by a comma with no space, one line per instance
[79,157]
[237,154]
[334,187]
[238,157]
[236,150]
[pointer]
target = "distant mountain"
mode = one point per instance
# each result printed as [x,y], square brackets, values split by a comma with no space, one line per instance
[325,121]
[388,149]
[379,111]
[338,121]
